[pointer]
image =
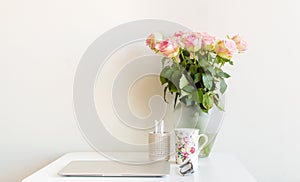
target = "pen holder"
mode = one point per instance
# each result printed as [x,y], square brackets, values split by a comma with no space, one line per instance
[159,146]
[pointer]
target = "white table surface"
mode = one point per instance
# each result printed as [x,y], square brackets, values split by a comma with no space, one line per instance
[216,168]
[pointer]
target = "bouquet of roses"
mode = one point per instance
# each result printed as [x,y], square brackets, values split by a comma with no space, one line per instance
[192,65]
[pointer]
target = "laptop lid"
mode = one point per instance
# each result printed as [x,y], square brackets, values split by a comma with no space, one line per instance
[111,168]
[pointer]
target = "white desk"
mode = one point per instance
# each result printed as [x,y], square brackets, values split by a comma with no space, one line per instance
[216,168]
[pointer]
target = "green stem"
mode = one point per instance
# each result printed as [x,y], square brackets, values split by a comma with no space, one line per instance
[182,55]
[175,60]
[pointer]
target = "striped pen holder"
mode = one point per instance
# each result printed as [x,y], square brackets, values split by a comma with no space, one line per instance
[159,146]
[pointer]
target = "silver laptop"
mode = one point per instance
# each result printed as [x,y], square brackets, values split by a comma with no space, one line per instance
[111,168]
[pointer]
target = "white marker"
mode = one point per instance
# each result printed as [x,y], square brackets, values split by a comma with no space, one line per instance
[162,126]
[155,126]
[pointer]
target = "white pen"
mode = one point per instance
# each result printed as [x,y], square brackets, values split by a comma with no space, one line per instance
[155,126]
[162,126]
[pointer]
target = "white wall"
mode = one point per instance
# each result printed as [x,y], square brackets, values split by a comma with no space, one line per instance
[41,43]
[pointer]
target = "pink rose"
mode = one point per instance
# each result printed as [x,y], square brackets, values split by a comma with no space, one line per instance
[192,150]
[240,43]
[208,41]
[191,41]
[177,38]
[167,48]
[154,39]
[178,34]
[185,155]
[226,48]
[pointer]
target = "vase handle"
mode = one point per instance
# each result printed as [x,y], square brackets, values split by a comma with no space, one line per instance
[204,143]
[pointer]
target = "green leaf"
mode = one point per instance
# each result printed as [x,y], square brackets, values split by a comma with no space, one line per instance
[197,77]
[186,53]
[176,77]
[207,80]
[203,63]
[208,100]
[183,83]
[172,88]
[197,96]
[162,77]
[221,60]
[223,74]
[188,89]
[217,59]
[223,86]
[193,69]
[163,80]
[200,95]
[211,69]
[226,60]
[209,58]
[165,74]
